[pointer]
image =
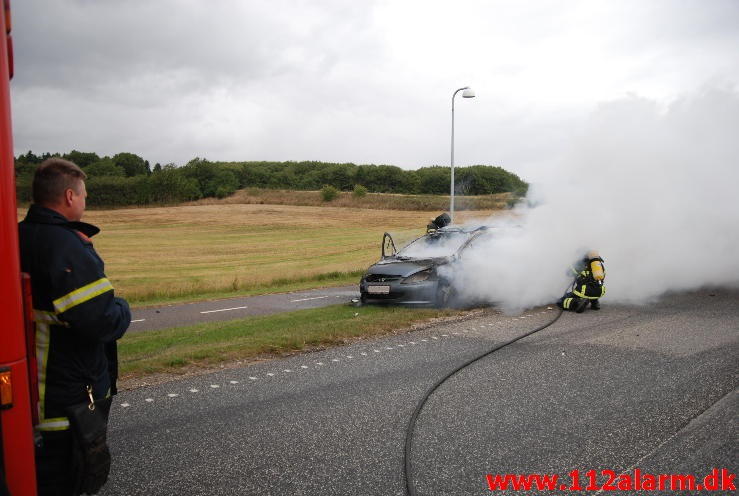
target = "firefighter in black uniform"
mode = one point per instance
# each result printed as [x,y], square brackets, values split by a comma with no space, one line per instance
[588,285]
[78,318]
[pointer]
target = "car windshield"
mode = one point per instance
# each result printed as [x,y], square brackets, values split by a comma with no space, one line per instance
[433,245]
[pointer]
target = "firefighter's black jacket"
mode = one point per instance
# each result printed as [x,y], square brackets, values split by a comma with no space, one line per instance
[585,286]
[78,318]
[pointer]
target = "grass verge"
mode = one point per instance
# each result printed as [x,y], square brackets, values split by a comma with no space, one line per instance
[278,285]
[179,350]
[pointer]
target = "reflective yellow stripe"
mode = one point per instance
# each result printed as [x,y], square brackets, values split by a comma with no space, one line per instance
[42,356]
[48,318]
[582,294]
[82,295]
[54,424]
[567,302]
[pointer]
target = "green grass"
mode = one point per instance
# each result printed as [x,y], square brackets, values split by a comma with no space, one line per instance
[177,350]
[278,285]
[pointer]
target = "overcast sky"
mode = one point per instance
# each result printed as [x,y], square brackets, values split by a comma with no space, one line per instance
[365,81]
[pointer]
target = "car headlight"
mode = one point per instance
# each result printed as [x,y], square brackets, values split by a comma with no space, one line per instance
[419,276]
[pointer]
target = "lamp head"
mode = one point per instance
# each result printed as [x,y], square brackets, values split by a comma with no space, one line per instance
[468,93]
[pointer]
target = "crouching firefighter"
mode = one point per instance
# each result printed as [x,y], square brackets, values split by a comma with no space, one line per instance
[441,221]
[588,287]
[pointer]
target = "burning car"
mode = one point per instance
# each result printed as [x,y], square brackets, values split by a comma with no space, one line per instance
[420,273]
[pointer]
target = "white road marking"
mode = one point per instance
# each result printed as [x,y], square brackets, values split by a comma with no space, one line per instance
[271,374]
[173,395]
[138,320]
[445,335]
[308,299]
[125,405]
[223,310]
[149,400]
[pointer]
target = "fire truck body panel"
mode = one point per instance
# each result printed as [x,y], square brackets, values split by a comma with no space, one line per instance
[16,430]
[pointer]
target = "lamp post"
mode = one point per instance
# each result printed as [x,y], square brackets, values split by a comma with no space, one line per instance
[468,93]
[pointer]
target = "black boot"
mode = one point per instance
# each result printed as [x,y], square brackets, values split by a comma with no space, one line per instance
[595,304]
[580,305]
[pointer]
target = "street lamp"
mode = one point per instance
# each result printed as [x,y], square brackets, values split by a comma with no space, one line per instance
[468,93]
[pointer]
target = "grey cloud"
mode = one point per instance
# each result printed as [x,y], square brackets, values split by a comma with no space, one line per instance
[349,81]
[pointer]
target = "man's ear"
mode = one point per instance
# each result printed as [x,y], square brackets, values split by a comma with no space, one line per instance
[68,196]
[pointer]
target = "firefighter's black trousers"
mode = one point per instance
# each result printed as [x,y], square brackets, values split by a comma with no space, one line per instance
[54,473]
[573,303]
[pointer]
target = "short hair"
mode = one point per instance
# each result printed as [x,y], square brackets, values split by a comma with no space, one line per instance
[53,177]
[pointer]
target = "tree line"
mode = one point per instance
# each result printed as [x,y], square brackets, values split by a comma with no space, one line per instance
[128,179]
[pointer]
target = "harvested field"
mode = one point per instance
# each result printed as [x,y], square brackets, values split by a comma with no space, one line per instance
[200,251]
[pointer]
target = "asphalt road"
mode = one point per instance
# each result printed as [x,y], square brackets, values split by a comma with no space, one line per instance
[165,316]
[651,387]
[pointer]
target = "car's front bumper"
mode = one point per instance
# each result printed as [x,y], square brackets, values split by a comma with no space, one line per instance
[419,293]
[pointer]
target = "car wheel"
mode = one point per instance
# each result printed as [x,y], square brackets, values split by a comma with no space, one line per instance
[444,295]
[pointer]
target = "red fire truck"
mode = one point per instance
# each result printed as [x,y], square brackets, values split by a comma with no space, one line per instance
[17,469]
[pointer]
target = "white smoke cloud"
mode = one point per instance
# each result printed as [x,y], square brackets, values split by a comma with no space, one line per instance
[652,187]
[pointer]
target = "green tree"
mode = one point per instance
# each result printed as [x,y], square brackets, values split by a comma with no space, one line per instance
[132,164]
[170,185]
[104,167]
[82,159]
[434,180]
[329,193]
[29,158]
[223,183]
[359,191]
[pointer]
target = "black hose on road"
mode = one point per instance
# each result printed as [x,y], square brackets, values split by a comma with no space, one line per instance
[409,485]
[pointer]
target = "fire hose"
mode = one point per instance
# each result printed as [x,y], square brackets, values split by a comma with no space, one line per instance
[408,469]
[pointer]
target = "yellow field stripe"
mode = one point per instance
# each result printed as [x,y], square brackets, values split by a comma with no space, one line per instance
[82,295]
